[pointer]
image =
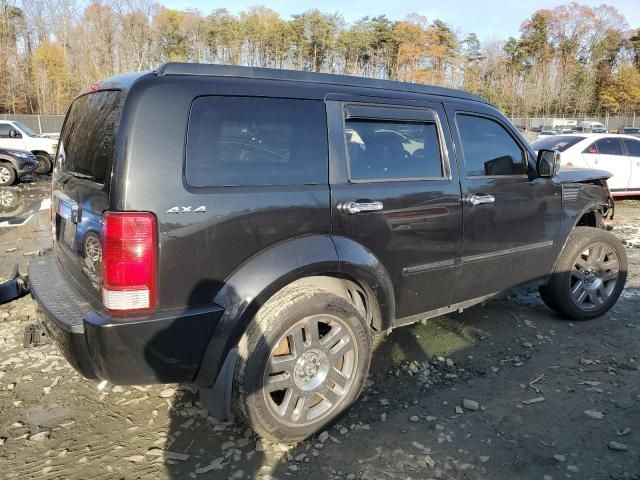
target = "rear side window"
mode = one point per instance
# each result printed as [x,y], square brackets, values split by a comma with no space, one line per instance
[488,149]
[234,141]
[88,138]
[392,150]
[633,147]
[606,146]
[557,142]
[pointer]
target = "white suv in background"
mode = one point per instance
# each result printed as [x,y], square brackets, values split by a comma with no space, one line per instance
[15,135]
[617,154]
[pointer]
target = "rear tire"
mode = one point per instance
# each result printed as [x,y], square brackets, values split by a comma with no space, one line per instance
[302,362]
[43,165]
[589,276]
[7,175]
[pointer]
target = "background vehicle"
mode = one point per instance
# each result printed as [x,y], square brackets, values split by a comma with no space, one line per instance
[617,154]
[303,215]
[547,133]
[18,136]
[635,131]
[588,126]
[14,164]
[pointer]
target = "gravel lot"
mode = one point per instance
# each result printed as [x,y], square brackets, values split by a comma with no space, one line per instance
[501,391]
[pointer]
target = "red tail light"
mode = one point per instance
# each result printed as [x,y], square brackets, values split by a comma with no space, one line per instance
[129,261]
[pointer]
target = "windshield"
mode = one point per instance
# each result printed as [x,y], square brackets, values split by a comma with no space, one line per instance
[631,130]
[557,142]
[25,129]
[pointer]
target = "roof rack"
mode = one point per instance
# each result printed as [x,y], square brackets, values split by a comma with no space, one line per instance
[213,70]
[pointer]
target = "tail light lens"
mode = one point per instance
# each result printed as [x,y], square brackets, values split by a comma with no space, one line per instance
[129,261]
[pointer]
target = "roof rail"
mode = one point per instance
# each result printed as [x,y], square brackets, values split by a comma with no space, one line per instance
[213,70]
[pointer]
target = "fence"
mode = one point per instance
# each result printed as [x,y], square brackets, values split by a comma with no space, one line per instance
[611,122]
[37,123]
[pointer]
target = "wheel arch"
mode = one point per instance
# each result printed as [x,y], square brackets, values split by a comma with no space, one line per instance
[344,268]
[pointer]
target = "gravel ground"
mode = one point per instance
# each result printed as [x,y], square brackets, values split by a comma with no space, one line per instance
[502,391]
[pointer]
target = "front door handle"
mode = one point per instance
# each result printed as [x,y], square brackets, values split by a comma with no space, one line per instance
[358,207]
[474,200]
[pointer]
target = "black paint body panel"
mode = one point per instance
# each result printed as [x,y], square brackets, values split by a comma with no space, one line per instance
[425,250]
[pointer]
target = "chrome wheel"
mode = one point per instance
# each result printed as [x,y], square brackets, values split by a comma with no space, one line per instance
[311,370]
[594,276]
[5,175]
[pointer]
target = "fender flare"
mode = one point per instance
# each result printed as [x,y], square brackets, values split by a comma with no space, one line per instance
[260,277]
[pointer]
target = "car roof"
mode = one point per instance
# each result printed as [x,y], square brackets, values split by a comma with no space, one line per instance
[234,71]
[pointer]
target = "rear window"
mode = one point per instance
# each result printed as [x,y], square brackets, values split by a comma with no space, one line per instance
[239,141]
[88,138]
[557,142]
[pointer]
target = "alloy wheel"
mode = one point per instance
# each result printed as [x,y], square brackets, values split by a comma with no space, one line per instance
[594,276]
[5,175]
[311,370]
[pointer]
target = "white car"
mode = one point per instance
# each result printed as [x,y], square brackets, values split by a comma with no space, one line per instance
[617,154]
[15,135]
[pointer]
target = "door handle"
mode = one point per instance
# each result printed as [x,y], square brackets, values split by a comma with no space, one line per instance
[474,200]
[359,207]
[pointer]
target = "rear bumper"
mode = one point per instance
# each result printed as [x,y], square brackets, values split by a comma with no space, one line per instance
[163,347]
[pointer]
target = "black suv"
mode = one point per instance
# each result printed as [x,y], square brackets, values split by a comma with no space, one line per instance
[253,229]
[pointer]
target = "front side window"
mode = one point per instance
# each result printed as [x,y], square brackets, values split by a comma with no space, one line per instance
[606,146]
[383,150]
[242,141]
[5,128]
[488,149]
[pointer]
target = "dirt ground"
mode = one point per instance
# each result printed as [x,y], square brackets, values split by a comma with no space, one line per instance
[554,399]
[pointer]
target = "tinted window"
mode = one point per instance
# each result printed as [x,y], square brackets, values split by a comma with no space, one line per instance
[632,131]
[256,141]
[488,148]
[88,138]
[608,146]
[558,142]
[633,147]
[4,130]
[392,150]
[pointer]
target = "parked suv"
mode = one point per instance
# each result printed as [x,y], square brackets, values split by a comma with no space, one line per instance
[288,218]
[15,164]
[15,135]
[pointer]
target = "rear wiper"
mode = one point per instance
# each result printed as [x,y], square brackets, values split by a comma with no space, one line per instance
[81,175]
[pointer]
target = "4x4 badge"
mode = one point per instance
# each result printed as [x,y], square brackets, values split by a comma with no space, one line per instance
[189,209]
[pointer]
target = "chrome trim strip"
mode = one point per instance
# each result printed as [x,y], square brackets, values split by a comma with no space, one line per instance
[508,251]
[427,266]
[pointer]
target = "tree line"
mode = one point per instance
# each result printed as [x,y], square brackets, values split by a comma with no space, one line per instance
[571,59]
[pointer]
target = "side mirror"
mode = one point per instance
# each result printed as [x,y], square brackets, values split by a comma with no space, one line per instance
[14,134]
[548,163]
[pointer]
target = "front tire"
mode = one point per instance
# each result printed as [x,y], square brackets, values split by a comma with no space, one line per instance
[589,276]
[7,175]
[43,164]
[303,361]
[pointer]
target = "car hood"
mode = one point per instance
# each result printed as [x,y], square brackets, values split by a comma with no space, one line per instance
[577,175]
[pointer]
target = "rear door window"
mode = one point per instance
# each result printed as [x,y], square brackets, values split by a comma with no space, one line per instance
[242,141]
[88,138]
[607,146]
[633,147]
[381,150]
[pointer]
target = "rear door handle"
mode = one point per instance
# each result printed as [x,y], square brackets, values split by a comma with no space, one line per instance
[474,200]
[359,207]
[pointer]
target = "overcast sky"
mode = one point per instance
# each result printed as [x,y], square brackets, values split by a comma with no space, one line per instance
[487,18]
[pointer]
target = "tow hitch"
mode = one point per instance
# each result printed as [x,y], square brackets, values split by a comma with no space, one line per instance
[17,286]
